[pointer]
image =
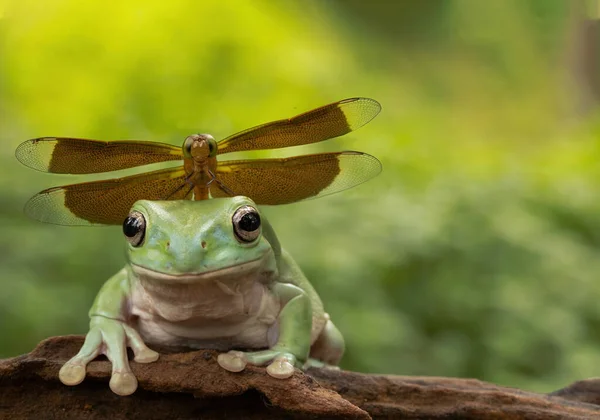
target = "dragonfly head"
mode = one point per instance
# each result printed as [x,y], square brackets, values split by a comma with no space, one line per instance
[199,146]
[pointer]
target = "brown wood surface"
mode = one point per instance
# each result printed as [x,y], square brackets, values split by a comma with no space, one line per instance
[191,385]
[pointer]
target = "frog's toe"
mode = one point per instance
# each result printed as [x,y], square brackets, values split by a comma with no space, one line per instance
[233,361]
[123,383]
[280,368]
[316,363]
[72,373]
[142,354]
[146,356]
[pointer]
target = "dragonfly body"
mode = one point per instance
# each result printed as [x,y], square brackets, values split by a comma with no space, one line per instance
[200,164]
[201,175]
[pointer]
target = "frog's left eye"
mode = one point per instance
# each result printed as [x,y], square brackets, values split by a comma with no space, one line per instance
[246,223]
[134,228]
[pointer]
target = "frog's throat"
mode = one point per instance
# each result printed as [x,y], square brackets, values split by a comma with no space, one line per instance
[231,271]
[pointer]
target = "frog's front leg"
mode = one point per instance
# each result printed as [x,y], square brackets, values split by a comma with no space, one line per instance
[110,335]
[293,344]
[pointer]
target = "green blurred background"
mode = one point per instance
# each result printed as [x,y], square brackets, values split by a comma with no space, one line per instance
[474,254]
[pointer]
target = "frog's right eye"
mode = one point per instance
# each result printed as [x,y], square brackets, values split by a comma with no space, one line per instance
[246,224]
[134,228]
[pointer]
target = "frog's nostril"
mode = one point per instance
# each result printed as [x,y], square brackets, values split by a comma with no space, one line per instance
[168,244]
[203,243]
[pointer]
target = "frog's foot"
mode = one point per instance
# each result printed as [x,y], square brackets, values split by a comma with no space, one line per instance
[280,363]
[316,363]
[109,337]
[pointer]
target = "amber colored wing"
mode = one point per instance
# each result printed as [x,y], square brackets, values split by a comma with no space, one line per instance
[320,124]
[282,181]
[105,202]
[62,155]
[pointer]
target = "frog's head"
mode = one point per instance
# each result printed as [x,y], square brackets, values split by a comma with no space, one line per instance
[188,239]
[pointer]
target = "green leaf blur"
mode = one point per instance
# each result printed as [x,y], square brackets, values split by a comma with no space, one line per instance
[474,254]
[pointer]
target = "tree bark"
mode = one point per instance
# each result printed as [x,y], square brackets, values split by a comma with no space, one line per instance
[192,385]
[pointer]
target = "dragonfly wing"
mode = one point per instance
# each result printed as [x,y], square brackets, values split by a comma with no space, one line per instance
[105,202]
[320,124]
[63,155]
[282,181]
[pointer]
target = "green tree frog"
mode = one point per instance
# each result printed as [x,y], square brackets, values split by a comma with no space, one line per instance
[206,274]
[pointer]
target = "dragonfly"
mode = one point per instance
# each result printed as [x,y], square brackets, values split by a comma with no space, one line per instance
[200,175]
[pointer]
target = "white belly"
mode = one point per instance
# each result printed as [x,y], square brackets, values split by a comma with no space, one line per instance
[222,311]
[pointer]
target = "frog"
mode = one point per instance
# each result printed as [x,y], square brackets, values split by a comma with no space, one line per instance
[206,274]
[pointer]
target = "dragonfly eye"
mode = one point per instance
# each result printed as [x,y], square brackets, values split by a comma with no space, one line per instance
[212,146]
[246,224]
[134,228]
[187,147]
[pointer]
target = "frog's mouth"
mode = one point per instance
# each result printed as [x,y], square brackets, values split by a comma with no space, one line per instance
[257,266]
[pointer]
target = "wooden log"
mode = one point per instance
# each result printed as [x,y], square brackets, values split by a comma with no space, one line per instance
[191,384]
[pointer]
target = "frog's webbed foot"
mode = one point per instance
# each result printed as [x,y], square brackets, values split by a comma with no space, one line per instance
[280,363]
[109,337]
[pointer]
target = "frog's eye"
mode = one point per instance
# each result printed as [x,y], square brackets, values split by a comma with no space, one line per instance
[187,147]
[246,224]
[134,228]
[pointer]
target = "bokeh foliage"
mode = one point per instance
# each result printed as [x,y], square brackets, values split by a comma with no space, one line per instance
[474,254]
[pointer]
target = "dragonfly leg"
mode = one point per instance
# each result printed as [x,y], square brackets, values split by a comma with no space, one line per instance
[219,183]
[187,181]
[212,176]
[189,190]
